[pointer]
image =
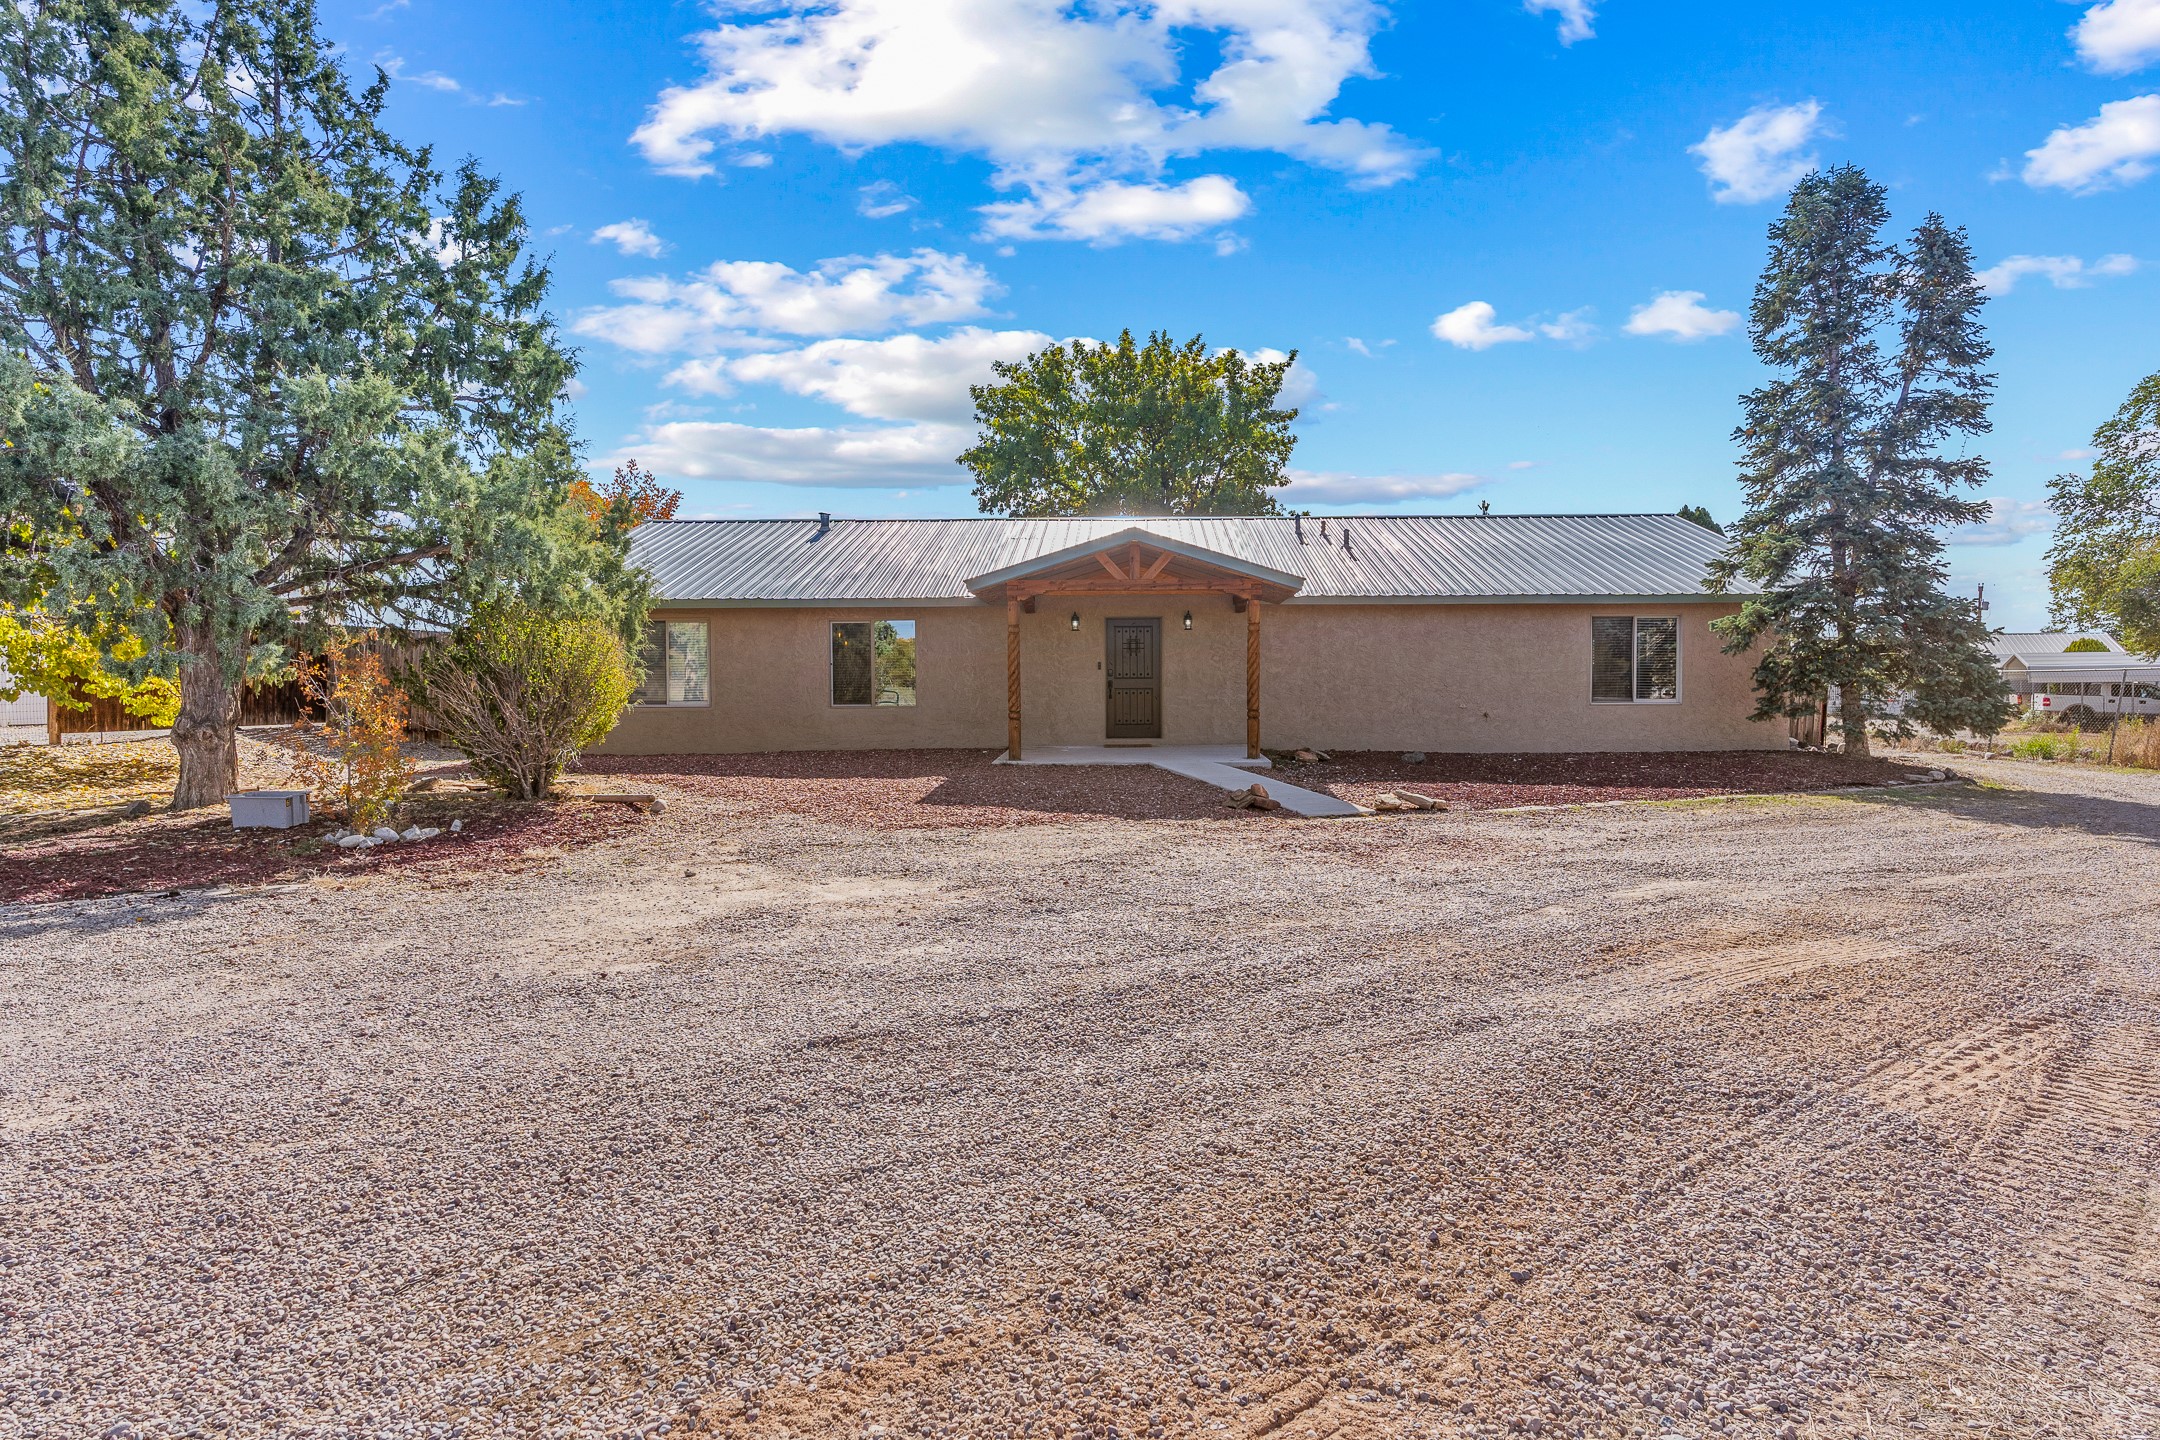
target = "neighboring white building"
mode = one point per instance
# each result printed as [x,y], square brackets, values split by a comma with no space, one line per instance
[2083,686]
[29,710]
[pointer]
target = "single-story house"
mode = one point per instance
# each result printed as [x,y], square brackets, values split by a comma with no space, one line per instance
[1438,633]
[2047,677]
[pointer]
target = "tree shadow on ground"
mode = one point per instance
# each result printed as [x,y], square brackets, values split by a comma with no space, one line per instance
[2034,809]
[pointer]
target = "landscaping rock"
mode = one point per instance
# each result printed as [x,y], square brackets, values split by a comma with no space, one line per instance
[352,842]
[1413,757]
[384,832]
[1306,757]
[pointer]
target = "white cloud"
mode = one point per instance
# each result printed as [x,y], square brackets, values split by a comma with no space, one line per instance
[855,457]
[881,200]
[723,305]
[1337,487]
[902,377]
[632,237]
[394,66]
[2081,453]
[1300,387]
[1471,327]
[2064,272]
[2008,522]
[1760,155]
[1681,315]
[1062,99]
[1522,464]
[2115,147]
[1114,210]
[1572,327]
[1575,17]
[2119,36]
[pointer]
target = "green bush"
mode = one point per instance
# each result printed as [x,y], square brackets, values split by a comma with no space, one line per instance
[522,692]
[2085,645]
[2045,747]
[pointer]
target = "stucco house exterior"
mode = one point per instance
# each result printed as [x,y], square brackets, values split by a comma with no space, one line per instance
[1436,633]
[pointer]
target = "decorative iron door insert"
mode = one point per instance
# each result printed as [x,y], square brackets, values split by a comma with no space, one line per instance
[1133,680]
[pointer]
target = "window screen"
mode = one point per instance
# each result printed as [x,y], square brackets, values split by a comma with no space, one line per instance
[873,662]
[1612,658]
[678,664]
[1634,659]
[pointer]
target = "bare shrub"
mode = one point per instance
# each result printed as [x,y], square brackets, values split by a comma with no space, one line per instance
[522,692]
[355,756]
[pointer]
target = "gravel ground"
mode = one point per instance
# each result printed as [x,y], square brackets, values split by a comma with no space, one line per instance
[1816,1117]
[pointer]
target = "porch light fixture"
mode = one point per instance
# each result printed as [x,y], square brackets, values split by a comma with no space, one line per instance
[1076,620]
[1188,619]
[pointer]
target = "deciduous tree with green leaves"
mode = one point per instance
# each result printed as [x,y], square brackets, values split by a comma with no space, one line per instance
[2104,567]
[1846,474]
[1131,429]
[264,370]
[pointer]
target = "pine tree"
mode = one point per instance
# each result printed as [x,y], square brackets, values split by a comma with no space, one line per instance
[2104,566]
[1844,472]
[263,369]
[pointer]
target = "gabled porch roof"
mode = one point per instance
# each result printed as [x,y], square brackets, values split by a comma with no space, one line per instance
[1136,560]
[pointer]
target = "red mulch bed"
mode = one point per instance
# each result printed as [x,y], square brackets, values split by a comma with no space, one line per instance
[903,789]
[911,789]
[1491,782]
[175,852]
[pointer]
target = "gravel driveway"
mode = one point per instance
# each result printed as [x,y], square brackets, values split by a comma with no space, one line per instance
[1815,1117]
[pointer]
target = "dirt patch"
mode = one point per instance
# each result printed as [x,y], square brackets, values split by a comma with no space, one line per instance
[188,851]
[1490,782]
[908,789]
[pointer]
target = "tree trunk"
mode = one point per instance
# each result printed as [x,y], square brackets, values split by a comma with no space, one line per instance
[1852,719]
[206,732]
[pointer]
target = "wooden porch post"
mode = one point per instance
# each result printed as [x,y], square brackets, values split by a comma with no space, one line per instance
[1252,677]
[1012,676]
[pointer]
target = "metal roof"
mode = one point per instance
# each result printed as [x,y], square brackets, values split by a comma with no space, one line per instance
[2087,666]
[1433,558]
[2045,642]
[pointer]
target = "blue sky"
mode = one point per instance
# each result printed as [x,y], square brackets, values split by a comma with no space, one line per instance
[1510,242]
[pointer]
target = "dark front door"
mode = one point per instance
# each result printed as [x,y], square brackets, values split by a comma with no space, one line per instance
[1134,671]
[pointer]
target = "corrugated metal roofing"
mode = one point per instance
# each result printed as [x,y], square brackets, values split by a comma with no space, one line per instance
[1391,557]
[2045,642]
[2088,666]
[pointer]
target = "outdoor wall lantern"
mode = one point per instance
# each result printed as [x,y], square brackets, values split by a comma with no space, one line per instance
[1188,619]
[1076,620]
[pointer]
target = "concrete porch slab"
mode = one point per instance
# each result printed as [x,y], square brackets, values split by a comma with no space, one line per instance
[1223,766]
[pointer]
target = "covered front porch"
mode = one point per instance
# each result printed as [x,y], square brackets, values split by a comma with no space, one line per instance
[1128,642]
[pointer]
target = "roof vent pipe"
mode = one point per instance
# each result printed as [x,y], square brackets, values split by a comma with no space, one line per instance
[1323,531]
[1347,555]
[1299,521]
[824,523]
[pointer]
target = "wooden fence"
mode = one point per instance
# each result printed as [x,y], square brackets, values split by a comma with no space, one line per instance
[262,702]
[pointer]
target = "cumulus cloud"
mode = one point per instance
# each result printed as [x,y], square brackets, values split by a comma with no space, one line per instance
[1681,315]
[1472,327]
[1114,210]
[1575,17]
[1061,99]
[726,304]
[2119,36]
[1338,487]
[631,237]
[2064,272]
[902,377]
[852,457]
[2008,522]
[2115,147]
[394,67]
[1760,155]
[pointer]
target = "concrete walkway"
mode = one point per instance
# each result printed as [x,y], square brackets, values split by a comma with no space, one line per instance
[1223,766]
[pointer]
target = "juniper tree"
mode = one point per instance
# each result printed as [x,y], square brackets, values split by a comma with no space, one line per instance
[1846,471]
[263,368]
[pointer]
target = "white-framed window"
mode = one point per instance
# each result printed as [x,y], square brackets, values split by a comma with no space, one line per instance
[873,662]
[678,664]
[1634,660]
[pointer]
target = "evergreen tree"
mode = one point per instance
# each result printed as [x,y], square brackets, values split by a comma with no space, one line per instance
[1845,473]
[1127,429]
[1700,514]
[263,369]
[2104,567]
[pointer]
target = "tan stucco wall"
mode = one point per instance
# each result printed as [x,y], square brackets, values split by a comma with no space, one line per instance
[1351,677]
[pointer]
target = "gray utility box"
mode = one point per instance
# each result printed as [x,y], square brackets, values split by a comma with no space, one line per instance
[268,809]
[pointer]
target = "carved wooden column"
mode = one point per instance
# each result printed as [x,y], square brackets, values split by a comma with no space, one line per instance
[1252,677]
[1012,676]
